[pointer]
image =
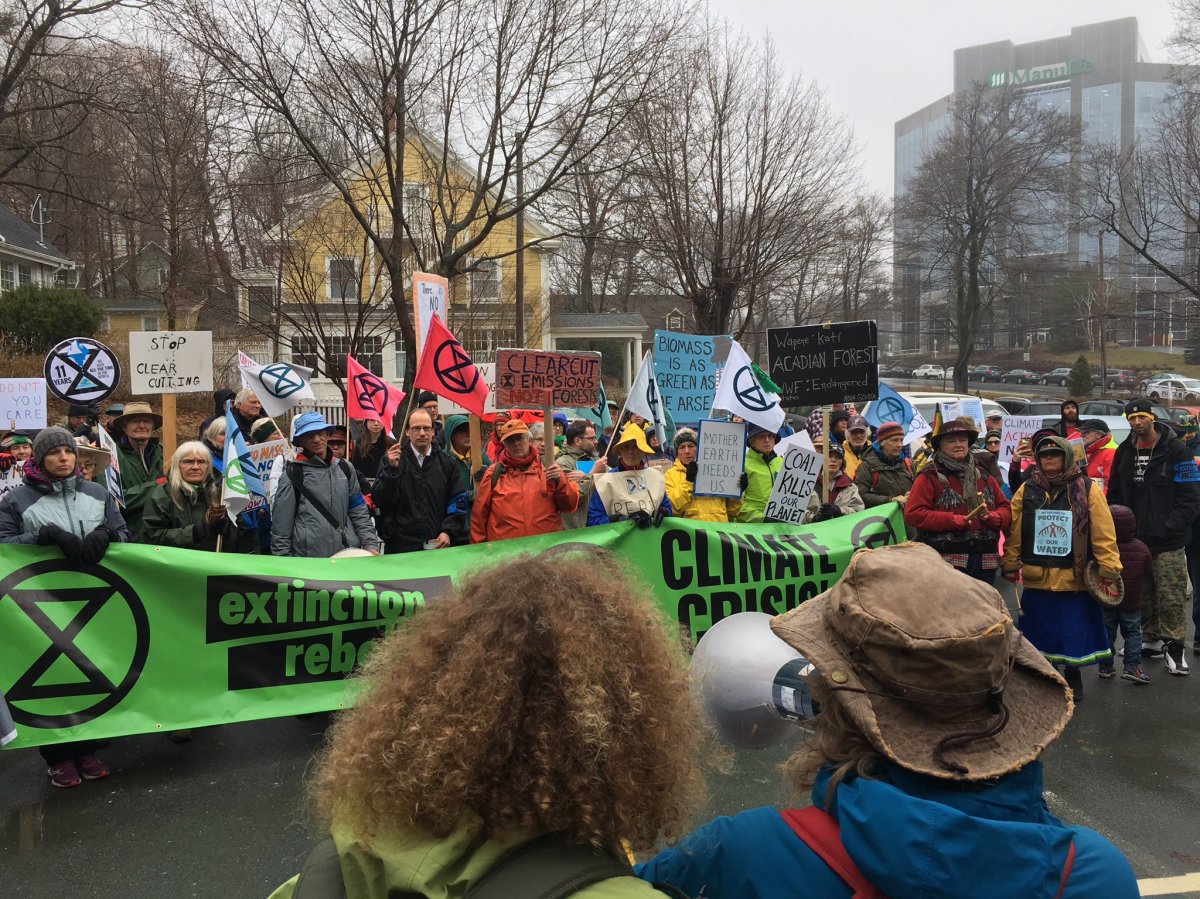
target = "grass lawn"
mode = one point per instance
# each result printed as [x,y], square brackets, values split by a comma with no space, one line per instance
[1146,361]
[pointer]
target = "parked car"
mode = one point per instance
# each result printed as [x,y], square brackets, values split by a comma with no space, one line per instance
[895,370]
[1183,389]
[1020,376]
[1102,408]
[1120,379]
[1029,405]
[985,373]
[1058,376]
[1157,377]
[930,371]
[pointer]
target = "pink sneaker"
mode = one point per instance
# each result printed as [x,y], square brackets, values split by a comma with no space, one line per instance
[91,767]
[64,774]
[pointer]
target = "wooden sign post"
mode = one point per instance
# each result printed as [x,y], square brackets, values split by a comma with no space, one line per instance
[170,436]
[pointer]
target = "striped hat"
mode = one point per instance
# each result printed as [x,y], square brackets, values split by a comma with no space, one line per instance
[888,429]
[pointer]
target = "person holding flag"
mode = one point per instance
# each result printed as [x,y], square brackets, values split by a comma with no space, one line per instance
[186,512]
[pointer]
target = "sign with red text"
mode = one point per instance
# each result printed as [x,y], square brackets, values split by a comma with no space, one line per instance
[22,404]
[537,378]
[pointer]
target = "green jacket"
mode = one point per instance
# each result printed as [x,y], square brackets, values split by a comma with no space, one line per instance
[397,861]
[165,524]
[568,459]
[453,422]
[760,478]
[139,476]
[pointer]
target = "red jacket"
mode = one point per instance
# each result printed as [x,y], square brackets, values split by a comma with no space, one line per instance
[1100,461]
[519,502]
[933,514]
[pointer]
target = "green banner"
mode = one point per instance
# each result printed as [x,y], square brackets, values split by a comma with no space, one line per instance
[165,639]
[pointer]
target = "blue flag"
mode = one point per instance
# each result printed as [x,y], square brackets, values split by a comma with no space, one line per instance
[241,479]
[890,406]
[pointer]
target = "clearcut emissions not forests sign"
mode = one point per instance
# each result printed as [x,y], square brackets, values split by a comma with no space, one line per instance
[816,365]
[537,378]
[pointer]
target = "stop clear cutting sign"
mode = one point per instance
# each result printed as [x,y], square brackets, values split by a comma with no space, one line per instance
[170,362]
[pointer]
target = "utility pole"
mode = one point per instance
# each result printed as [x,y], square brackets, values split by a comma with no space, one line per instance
[1102,295]
[520,279]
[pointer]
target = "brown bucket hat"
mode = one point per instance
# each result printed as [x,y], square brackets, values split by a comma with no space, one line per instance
[938,679]
[962,425]
[134,409]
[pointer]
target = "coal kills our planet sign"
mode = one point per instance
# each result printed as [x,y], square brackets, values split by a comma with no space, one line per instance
[823,364]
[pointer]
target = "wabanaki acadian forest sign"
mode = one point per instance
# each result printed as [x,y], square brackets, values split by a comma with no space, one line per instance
[165,639]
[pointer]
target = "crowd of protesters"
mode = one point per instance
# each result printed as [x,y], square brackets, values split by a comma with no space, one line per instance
[1129,510]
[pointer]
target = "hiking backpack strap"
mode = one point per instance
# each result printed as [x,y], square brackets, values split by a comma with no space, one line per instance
[547,867]
[819,832]
[296,475]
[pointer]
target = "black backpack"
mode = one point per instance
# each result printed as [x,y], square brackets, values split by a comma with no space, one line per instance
[548,867]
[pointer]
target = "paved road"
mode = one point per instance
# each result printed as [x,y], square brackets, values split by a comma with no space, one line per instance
[225,815]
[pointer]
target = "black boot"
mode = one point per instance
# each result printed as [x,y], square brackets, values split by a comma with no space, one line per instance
[1074,679]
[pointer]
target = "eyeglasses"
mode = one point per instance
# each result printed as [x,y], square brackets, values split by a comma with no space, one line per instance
[193,461]
[420,428]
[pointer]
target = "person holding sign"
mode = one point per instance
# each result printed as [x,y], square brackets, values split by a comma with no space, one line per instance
[956,506]
[844,498]
[15,449]
[1060,522]
[578,459]
[516,496]
[681,482]
[762,467]
[632,491]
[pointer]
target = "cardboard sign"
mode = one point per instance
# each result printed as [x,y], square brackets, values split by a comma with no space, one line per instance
[720,458]
[685,367]
[430,297]
[537,378]
[81,370]
[22,404]
[487,374]
[11,479]
[170,362]
[823,364]
[794,486]
[973,409]
[1013,430]
[626,492]
[1052,532]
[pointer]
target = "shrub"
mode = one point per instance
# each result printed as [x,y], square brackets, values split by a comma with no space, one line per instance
[33,319]
[1079,381]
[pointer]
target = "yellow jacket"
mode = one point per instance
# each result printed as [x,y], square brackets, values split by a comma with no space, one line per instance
[697,508]
[1104,547]
[852,459]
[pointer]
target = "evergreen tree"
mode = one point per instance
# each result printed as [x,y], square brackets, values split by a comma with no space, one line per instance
[1079,381]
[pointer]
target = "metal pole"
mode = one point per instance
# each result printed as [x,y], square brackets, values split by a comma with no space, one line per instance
[1103,295]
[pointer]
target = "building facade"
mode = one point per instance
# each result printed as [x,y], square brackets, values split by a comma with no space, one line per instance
[1101,75]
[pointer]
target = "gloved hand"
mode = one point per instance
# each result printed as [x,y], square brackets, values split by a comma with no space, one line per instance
[6,461]
[827,511]
[641,518]
[48,534]
[70,545]
[659,514]
[220,526]
[743,482]
[95,545]
[689,471]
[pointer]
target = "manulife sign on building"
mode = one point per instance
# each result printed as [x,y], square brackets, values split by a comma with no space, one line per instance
[1059,71]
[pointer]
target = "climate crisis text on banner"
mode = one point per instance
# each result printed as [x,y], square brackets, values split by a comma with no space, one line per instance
[165,639]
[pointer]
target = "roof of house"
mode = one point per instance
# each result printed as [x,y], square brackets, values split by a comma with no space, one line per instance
[130,304]
[17,234]
[562,321]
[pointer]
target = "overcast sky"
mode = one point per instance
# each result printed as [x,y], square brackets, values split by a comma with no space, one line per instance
[879,60]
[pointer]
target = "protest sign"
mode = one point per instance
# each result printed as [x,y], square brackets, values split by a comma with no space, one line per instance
[487,376]
[685,367]
[261,457]
[1052,532]
[972,408]
[11,480]
[170,362]
[823,364]
[951,410]
[538,378]
[81,370]
[1014,429]
[112,474]
[171,638]
[22,404]
[429,299]
[794,485]
[720,458]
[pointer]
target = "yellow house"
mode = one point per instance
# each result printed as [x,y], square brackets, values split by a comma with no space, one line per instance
[328,283]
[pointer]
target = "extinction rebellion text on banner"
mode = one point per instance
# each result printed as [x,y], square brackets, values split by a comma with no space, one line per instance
[165,639]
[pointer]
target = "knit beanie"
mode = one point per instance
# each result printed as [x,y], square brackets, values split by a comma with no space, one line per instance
[888,429]
[684,435]
[50,439]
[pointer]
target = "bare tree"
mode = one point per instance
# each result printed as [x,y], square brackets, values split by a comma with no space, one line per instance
[743,169]
[423,115]
[996,178]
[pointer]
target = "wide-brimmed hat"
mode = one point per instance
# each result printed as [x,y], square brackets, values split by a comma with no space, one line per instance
[947,686]
[133,410]
[309,423]
[634,434]
[961,425]
[99,455]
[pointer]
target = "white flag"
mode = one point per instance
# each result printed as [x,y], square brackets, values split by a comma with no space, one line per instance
[739,392]
[279,386]
[646,400]
[112,474]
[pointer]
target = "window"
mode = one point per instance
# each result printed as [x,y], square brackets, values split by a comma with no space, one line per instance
[485,282]
[149,322]
[8,276]
[675,320]
[481,343]
[343,278]
[24,274]
[308,351]
[260,302]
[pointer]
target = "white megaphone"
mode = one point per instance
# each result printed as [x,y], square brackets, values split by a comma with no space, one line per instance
[752,686]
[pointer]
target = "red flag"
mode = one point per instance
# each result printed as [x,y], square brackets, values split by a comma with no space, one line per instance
[448,371]
[370,396]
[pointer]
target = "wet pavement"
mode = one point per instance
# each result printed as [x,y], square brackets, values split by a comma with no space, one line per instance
[225,815]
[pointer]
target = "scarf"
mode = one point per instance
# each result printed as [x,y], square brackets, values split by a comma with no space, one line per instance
[1077,491]
[966,472]
[510,462]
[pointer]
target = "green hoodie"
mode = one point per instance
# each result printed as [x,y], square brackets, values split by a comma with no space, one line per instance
[416,861]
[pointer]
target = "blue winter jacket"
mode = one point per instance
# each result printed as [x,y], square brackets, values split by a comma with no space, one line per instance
[910,836]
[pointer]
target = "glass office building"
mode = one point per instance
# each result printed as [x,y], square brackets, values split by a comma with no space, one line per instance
[1100,74]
